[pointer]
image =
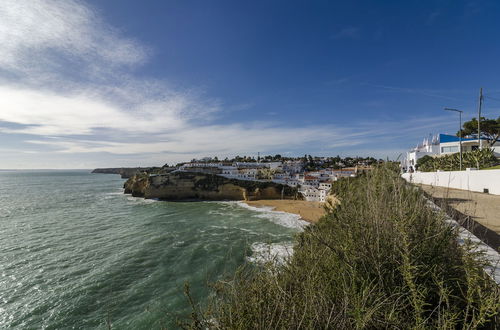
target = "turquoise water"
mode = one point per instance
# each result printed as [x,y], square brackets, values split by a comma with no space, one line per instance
[77,253]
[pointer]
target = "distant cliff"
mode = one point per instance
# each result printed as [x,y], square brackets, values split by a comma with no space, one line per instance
[201,186]
[125,172]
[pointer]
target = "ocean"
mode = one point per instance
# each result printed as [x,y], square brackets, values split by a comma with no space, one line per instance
[77,253]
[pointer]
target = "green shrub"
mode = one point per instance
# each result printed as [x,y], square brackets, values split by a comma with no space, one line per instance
[425,162]
[381,259]
[477,158]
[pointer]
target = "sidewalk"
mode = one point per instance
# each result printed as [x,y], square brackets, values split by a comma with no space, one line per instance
[483,208]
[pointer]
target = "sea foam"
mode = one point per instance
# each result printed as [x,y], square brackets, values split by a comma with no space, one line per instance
[276,253]
[141,200]
[284,219]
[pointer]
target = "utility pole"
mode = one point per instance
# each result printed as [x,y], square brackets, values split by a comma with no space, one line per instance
[460,115]
[460,131]
[479,117]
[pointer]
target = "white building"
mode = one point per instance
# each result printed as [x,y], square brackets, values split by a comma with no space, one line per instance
[316,193]
[322,195]
[271,165]
[428,147]
[443,144]
[309,180]
[325,186]
[229,171]
[188,166]
[293,166]
[311,194]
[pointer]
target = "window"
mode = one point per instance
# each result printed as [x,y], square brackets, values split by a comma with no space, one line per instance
[449,149]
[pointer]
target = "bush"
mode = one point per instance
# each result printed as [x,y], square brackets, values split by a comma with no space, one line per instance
[381,259]
[425,162]
[477,158]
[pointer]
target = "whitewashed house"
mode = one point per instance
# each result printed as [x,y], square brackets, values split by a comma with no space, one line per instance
[443,144]
[311,194]
[310,180]
[314,194]
[229,172]
[293,166]
[325,186]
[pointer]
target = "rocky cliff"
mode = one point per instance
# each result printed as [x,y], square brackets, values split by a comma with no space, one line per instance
[201,186]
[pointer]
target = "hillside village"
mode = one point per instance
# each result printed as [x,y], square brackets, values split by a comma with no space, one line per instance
[312,176]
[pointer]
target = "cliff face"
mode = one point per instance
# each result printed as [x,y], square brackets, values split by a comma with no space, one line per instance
[201,186]
[136,185]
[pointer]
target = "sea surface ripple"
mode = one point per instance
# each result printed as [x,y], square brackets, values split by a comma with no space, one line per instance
[76,253]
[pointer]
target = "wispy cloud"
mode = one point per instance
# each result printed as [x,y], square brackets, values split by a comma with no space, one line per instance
[348,32]
[419,91]
[66,73]
[40,35]
[431,19]
[67,87]
[249,138]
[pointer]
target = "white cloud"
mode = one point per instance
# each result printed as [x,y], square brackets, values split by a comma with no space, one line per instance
[64,72]
[48,113]
[349,32]
[66,90]
[223,139]
[37,33]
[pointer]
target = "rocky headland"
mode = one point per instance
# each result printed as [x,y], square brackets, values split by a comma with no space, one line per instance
[128,172]
[182,186]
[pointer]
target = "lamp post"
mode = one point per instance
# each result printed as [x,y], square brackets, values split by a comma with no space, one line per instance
[459,131]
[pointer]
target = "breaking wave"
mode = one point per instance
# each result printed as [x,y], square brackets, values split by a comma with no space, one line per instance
[285,219]
[276,253]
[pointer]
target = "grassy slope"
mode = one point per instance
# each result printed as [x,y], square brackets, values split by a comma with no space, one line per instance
[382,259]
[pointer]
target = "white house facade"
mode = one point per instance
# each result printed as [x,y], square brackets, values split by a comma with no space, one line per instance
[440,145]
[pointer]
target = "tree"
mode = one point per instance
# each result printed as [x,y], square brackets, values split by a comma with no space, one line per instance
[425,164]
[490,129]
[266,174]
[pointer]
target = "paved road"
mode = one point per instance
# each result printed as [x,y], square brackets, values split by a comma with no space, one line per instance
[483,208]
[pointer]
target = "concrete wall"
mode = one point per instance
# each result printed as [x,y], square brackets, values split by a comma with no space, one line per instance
[466,180]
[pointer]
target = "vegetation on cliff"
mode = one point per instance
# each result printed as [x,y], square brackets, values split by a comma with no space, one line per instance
[381,259]
[128,172]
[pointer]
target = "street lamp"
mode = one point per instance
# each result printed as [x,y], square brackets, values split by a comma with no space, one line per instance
[459,131]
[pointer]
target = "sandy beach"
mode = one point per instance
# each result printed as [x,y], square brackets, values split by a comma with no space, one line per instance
[309,211]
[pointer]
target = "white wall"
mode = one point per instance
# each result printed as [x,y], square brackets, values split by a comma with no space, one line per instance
[466,180]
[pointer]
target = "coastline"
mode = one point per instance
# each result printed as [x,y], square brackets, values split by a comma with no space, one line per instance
[308,211]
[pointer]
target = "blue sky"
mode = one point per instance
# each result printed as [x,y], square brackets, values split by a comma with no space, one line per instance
[124,83]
